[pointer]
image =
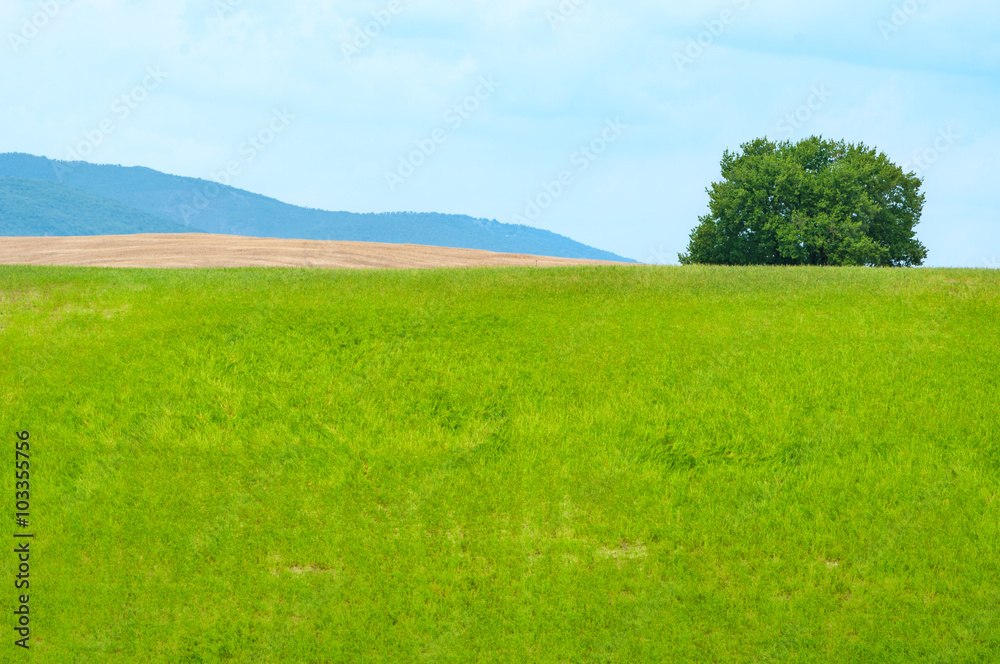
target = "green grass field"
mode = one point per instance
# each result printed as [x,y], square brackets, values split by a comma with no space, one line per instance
[625,464]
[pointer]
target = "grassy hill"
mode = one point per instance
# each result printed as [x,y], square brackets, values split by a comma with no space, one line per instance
[30,208]
[217,209]
[569,465]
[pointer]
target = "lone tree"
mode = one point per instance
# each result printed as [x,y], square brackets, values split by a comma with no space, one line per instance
[815,202]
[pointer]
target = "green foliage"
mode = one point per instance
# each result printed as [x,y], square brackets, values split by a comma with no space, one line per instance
[816,202]
[573,465]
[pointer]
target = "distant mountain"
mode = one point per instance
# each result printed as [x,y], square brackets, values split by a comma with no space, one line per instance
[193,204]
[30,208]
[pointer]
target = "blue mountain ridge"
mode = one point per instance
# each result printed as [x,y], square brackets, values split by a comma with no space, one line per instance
[34,208]
[196,205]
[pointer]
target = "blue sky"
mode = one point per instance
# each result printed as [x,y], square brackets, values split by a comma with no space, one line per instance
[604,121]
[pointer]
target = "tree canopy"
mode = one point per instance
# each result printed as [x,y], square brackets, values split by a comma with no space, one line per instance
[815,202]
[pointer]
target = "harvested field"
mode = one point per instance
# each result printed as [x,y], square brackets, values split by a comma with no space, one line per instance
[198,250]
